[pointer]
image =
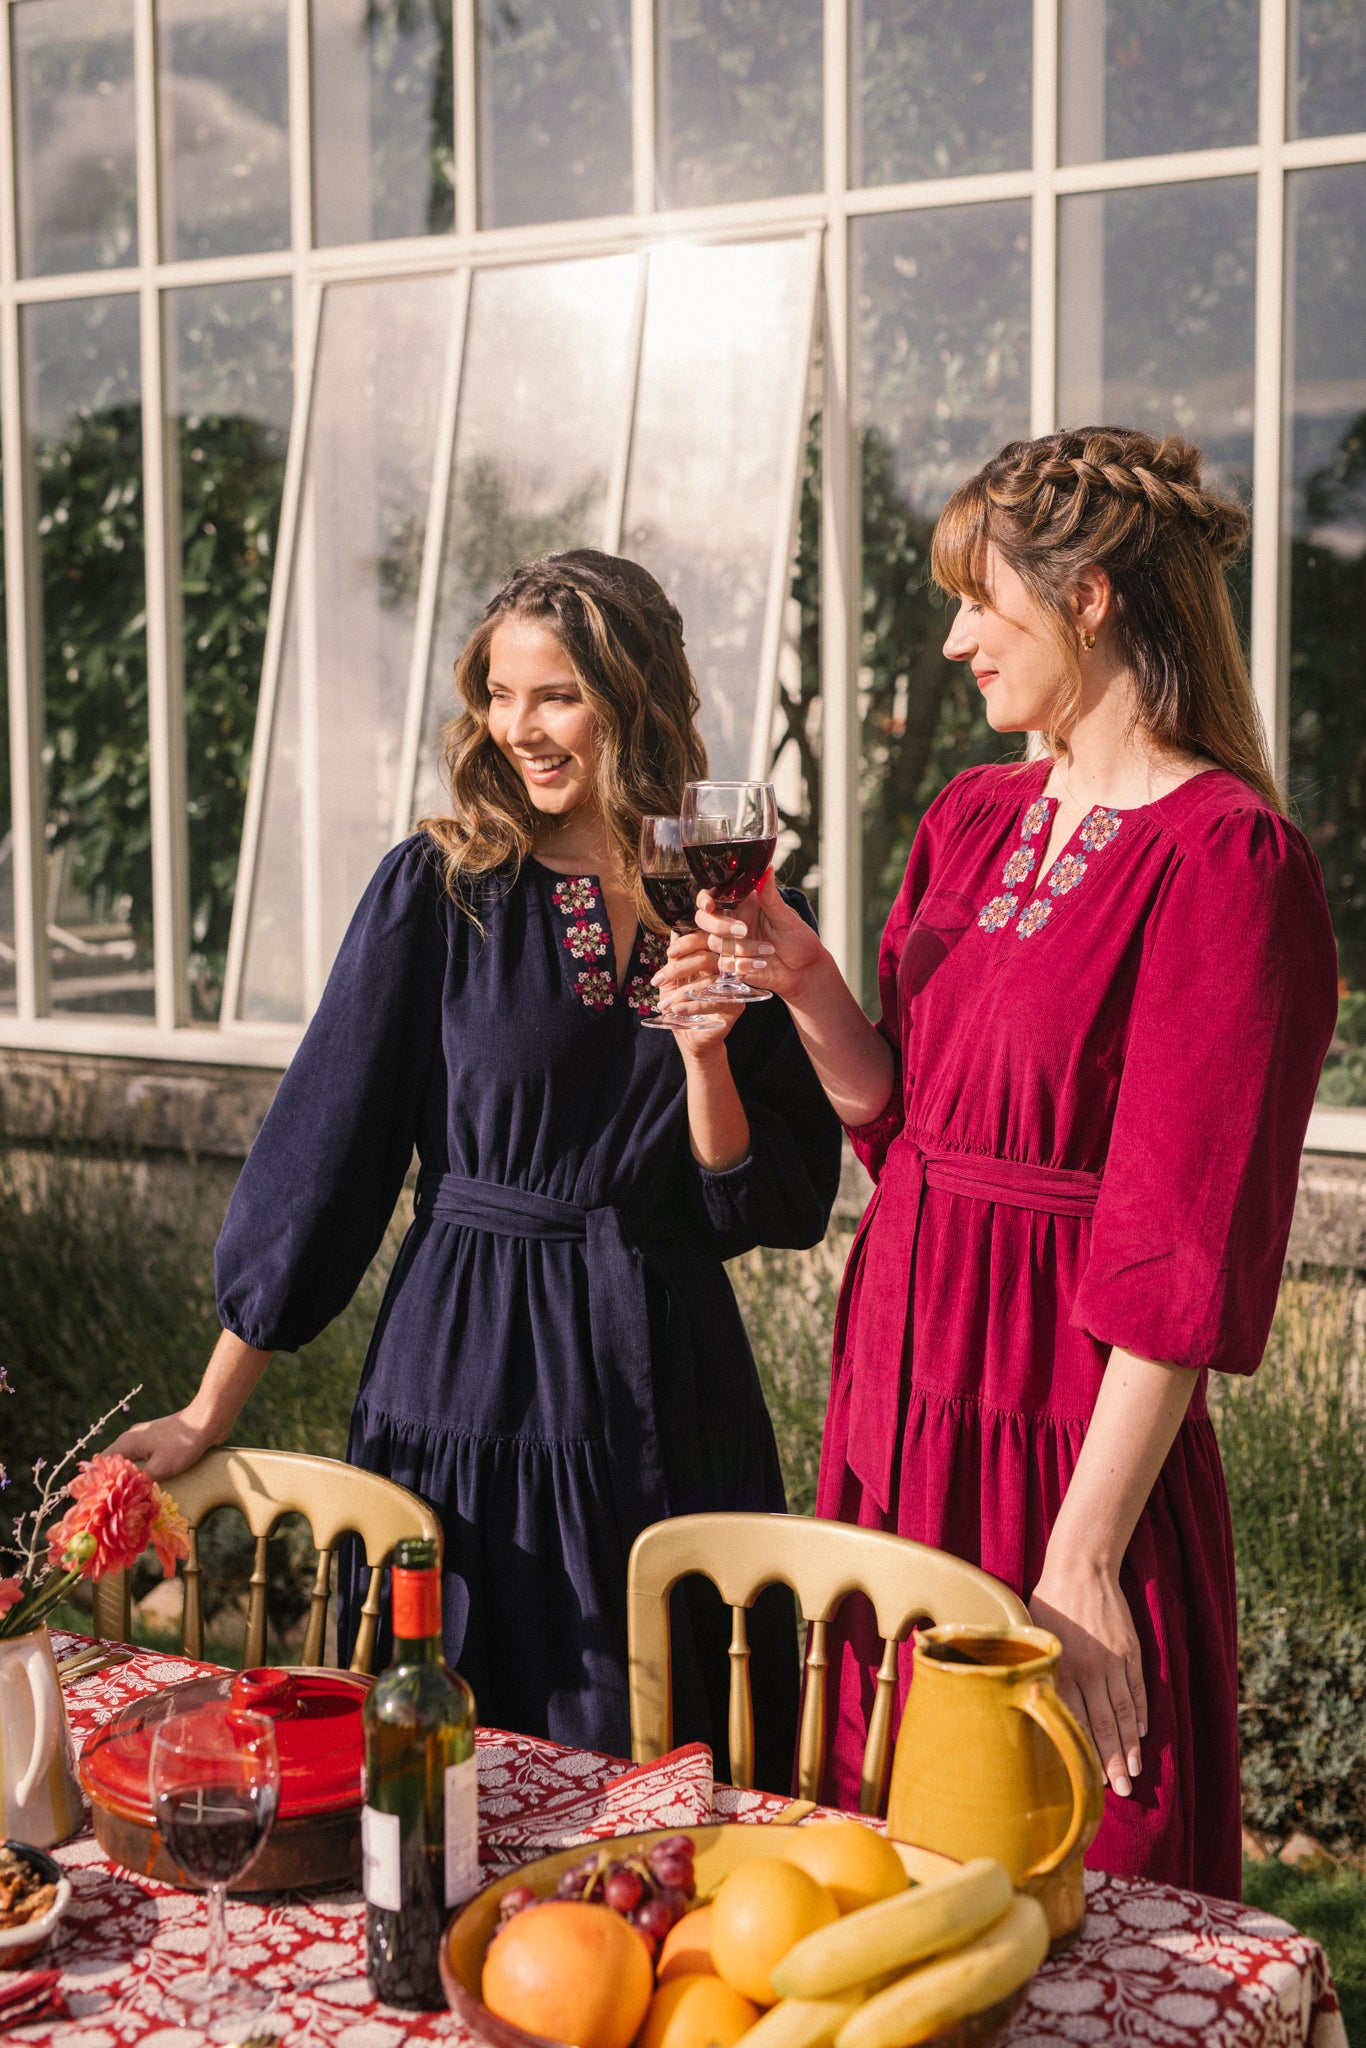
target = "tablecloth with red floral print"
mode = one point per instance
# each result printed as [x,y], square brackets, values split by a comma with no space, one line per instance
[1153,1965]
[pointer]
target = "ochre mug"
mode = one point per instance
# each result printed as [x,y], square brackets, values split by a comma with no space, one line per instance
[989,1762]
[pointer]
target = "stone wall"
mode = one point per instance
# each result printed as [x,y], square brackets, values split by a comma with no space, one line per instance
[174,1117]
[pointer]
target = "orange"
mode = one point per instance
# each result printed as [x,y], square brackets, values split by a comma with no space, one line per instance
[571,1971]
[696,2011]
[760,1911]
[687,1947]
[854,1863]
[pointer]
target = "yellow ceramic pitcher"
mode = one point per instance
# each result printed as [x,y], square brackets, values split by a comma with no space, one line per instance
[989,1762]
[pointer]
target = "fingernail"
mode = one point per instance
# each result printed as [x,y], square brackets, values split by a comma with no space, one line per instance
[1135,1763]
[763,949]
[1142,1731]
[1122,1786]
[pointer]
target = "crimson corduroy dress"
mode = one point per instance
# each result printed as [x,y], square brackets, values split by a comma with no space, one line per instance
[1105,1079]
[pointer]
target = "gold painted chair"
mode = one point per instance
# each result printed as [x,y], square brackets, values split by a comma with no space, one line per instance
[265,1485]
[908,1584]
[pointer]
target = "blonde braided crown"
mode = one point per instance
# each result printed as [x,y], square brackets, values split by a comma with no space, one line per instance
[1123,484]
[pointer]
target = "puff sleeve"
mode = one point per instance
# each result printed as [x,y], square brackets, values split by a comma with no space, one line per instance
[1234,1008]
[320,1184]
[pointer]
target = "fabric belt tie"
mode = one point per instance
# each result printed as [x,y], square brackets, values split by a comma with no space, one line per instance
[618,1317]
[880,1303]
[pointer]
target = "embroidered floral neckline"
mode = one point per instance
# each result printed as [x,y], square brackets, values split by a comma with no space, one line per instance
[587,938]
[1068,871]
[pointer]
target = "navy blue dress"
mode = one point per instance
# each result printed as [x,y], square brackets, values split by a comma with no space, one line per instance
[559,1359]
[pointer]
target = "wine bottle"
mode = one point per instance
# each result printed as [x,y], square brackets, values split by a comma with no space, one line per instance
[420,1820]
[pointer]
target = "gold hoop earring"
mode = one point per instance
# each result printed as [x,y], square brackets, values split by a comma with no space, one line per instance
[1088,641]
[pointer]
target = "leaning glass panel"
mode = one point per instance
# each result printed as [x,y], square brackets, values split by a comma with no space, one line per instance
[1328,58]
[76,158]
[940,91]
[941,382]
[85,425]
[739,100]
[337,731]
[383,119]
[716,464]
[223,71]
[229,386]
[1147,77]
[555,108]
[1327,564]
[539,435]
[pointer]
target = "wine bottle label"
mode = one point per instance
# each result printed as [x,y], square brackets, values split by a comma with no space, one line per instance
[462,1831]
[379,1859]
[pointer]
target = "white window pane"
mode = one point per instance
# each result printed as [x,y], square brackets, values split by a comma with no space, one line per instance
[85,425]
[719,420]
[941,382]
[543,406]
[555,110]
[224,111]
[1328,53]
[338,727]
[940,91]
[383,119]
[77,160]
[1155,304]
[1326,545]
[1145,77]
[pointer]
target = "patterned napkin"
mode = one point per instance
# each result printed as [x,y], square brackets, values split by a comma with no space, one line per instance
[28,1995]
[673,1792]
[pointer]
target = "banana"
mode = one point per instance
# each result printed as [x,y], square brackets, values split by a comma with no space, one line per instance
[895,1932]
[953,1987]
[802,2022]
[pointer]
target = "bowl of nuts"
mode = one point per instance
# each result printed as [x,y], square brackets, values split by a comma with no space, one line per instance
[34,1894]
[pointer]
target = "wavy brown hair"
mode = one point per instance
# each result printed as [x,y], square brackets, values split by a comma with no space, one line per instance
[1117,499]
[624,641]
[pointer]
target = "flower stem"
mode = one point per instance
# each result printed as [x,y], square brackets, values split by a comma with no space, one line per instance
[35,1606]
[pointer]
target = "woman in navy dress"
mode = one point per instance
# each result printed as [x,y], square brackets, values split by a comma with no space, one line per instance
[559,1359]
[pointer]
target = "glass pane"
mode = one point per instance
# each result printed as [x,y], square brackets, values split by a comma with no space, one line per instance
[1155,297]
[1144,77]
[383,119]
[739,99]
[942,381]
[77,161]
[555,93]
[228,393]
[224,84]
[6,813]
[1328,92]
[85,420]
[536,439]
[722,376]
[330,791]
[941,91]
[1327,545]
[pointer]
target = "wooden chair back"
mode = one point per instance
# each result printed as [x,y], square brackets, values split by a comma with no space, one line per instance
[334,1498]
[908,1584]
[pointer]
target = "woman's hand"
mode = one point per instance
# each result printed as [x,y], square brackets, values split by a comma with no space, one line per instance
[691,962]
[166,1446]
[771,946]
[1100,1676]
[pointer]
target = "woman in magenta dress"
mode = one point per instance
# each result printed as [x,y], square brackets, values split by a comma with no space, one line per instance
[1108,984]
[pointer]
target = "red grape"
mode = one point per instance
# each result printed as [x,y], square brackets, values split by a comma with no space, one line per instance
[624,1889]
[655,1918]
[674,1872]
[515,1899]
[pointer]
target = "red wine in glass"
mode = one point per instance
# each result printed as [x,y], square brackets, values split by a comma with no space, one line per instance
[730,831]
[672,894]
[215,1831]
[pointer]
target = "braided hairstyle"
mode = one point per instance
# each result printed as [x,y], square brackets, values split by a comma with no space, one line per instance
[624,641]
[1116,499]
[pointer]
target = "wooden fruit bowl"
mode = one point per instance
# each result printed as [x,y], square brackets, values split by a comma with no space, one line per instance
[719,1850]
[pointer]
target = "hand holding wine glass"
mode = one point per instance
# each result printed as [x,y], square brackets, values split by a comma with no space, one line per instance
[729,832]
[669,884]
[215,1785]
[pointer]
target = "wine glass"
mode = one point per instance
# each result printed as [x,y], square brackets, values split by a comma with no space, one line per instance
[215,1784]
[668,883]
[729,832]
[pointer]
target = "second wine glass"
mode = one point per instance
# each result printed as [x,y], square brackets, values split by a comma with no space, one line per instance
[668,882]
[729,830]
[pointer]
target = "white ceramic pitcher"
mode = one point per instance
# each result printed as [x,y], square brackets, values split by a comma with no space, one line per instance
[42,1804]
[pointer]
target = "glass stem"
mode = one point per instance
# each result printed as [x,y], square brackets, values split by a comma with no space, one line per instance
[216,1957]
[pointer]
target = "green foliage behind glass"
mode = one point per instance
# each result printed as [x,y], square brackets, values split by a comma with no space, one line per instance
[740,99]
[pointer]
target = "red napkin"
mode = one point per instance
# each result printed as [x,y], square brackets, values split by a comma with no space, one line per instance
[28,1995]
[673,1792]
